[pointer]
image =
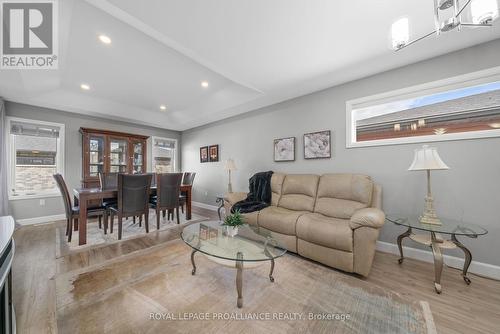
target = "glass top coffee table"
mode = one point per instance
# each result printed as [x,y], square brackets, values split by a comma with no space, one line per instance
[434,240]
[248,248]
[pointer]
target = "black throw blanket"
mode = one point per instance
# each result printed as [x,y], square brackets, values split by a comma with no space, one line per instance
[259,195]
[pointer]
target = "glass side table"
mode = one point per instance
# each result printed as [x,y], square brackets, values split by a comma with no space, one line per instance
[434,240]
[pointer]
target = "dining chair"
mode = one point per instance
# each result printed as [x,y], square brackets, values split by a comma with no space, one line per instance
[72,212]
[167,195]
[187,180]
[133,199]
[108,181]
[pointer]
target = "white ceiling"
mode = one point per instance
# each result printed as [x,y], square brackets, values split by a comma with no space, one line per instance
[253,53]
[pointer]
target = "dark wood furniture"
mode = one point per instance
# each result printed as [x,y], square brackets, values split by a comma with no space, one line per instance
[133,199]
[73,212]
[167,195]
[187,180]
[84,195]
[111,152]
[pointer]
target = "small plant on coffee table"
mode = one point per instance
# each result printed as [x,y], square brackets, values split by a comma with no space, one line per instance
[234,220]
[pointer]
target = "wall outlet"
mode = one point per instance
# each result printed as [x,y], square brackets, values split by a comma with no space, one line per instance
[42,202]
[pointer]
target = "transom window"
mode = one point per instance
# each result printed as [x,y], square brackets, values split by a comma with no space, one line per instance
[35,154]
[464,107]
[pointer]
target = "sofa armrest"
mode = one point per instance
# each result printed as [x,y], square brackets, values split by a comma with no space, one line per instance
[370,217]
[232,198]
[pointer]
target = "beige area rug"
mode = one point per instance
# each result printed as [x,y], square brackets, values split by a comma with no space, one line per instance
[96,236]
[154,292]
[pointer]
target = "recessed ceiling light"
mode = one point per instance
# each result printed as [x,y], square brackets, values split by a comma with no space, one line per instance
[163,107]
[204,84]
[105,39]
[495,125]
[84,86]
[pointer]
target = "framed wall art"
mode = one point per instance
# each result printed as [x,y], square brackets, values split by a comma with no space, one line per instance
[317,145]
[213,151]
[284,149]
[204,154]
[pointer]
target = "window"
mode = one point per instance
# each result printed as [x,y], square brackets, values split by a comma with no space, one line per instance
[36,153]
[463,107]
[163,156]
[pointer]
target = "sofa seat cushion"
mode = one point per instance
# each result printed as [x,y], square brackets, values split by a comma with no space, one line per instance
[279,220]
[325,231]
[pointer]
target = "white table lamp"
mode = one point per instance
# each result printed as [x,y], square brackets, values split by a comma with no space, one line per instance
[427,158]
[230,166]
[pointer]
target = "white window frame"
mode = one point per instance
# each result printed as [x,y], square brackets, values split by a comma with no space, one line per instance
[462,81]
[11,159]
[176,153]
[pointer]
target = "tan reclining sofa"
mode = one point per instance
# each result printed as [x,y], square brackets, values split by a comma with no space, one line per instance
[333,218]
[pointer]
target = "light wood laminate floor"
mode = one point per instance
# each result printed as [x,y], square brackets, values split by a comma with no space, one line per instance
[459,309]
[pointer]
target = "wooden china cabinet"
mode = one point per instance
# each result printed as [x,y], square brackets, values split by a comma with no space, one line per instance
[110,151]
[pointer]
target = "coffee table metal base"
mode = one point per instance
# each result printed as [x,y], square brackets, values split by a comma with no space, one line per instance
[239,274]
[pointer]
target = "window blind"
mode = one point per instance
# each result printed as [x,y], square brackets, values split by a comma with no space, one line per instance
[35,130]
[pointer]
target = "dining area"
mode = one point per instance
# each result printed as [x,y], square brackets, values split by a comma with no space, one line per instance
[130,185]
[121,197]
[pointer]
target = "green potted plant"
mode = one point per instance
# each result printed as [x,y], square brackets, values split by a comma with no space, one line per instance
[232,221]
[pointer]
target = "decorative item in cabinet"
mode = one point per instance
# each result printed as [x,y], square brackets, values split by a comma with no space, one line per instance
[137,157]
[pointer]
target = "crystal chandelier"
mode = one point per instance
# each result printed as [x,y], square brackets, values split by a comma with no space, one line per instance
[447,16]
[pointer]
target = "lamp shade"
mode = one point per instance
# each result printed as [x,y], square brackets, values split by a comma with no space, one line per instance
[230,165]
[427,158]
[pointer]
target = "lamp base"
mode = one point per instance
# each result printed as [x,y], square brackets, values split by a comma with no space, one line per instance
[429,216]
[229,187]
[430,220]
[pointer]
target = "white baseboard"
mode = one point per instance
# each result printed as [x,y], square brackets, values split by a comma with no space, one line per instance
[40,220]
[205,206]
[62,216]
[479,268]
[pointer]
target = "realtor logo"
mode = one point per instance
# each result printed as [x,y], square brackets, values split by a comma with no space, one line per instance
[29,34]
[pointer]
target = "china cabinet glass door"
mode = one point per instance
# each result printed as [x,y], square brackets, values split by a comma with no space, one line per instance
[118,155]
[96,155]
[137,157]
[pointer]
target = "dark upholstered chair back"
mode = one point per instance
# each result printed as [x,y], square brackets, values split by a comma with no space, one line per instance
[168,189]
[188,179]
[65,195]
[133,192]
[108,181]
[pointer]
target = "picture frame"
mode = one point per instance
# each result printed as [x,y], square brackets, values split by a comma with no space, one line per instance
[204,232]
[213,153]
[213,234]
[318,145]
[284,149]
[204,154]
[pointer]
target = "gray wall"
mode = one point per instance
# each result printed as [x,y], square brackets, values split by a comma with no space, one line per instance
[30,208]
[470,190]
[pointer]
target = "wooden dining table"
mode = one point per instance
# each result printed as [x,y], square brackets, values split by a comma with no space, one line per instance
[84,195]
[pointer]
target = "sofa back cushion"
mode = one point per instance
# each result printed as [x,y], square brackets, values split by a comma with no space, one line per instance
[340,195]
[299,192]
[276,186]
